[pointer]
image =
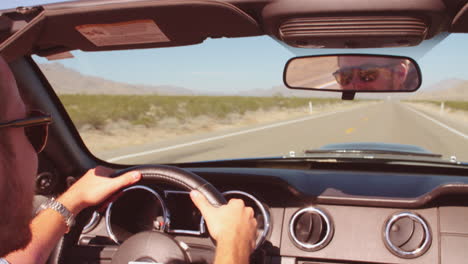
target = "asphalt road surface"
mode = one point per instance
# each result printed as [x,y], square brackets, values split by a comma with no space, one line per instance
[388,121]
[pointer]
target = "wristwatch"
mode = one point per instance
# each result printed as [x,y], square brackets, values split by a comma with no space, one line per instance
[53,204]
[4,261]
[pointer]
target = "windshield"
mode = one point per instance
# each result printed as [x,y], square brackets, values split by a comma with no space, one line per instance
[225,99]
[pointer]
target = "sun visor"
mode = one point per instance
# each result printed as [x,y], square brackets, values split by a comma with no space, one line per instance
[127,25]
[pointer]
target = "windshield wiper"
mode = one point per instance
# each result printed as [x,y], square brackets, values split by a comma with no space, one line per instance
[357,152]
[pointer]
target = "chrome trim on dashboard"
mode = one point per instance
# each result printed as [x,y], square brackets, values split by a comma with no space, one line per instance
[92,222]
[407,254]
[264,211]
[184,232]
[325,240]
[109,207]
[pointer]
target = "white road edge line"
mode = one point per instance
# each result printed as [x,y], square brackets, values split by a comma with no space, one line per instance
[327,84]
[453,130]
[133,155]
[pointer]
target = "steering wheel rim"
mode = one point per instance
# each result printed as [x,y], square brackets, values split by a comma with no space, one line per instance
[180,178]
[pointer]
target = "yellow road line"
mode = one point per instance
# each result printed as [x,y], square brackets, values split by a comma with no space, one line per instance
[349,130]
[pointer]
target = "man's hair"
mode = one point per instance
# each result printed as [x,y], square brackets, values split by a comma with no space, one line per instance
[412,78]
[402,61]
[11,238]
[5,144]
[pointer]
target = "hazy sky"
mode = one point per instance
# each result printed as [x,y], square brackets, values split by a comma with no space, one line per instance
[244,63]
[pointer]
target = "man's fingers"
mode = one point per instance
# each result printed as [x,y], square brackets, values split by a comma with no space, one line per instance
[200,201]
[250,212]
[127,179]
[103,171]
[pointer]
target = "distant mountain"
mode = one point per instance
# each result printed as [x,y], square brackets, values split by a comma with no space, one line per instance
[448,90]
[68,81]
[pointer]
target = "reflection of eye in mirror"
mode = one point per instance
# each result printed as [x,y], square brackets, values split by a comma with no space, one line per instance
[358,73]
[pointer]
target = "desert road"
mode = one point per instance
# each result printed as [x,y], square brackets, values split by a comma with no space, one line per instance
[386,121]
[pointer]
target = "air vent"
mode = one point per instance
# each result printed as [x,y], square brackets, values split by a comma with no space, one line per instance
[353,32]
[310,229]
[407,235]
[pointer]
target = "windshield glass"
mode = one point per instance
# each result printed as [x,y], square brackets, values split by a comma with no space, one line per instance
[225,99]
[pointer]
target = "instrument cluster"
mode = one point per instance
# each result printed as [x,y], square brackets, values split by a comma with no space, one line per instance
[141,208]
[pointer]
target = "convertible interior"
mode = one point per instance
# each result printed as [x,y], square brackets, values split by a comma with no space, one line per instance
[309,211]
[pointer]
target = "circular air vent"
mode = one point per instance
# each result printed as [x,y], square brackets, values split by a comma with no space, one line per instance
[310,229]
[407,235]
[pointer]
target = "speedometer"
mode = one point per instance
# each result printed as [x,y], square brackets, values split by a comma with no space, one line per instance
[135,209]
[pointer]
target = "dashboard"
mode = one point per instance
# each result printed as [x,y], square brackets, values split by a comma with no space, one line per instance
[304,216]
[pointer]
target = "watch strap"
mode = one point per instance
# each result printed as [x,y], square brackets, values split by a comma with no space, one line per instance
[4,261]
[55,205]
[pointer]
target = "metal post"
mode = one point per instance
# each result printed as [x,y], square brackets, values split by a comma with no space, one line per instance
[310,107]
[442,108]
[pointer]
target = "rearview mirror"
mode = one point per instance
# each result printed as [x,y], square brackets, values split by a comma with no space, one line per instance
[353,73]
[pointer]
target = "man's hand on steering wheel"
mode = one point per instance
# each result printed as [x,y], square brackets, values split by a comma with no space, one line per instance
[95,187]
[232,226]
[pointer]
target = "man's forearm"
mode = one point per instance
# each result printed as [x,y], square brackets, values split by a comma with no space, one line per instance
[232,252]
[47,228]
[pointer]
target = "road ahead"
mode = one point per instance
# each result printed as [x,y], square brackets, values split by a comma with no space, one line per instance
[389,122]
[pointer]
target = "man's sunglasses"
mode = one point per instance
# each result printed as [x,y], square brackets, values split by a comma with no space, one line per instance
[36,127]
[344,76]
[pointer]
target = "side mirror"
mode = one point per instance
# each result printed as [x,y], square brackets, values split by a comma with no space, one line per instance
[352,73]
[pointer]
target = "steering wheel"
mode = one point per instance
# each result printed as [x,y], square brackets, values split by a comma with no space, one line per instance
[157,247]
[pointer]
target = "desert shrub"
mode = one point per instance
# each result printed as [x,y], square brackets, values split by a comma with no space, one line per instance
[98,110]
[457,105]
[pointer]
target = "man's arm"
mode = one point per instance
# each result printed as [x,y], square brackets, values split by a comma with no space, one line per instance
[46,228]
[232,226]
[49,226]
